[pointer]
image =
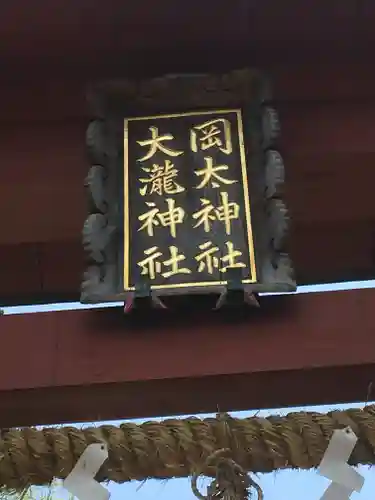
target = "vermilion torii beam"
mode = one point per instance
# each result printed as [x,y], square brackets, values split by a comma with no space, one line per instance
[98,364]
[326,112]
[43,200]
[323,84]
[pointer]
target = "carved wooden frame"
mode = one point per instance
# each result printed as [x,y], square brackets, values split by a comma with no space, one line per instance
[112,101]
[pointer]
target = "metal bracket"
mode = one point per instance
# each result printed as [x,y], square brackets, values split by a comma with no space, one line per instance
[144,297]
[236,293]
[142,288]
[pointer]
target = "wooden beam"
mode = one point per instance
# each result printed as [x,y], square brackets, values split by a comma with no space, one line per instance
[98,364]
[327,144]
[68,30]
[36,36]
[320,141]
[52,272]
[46,98]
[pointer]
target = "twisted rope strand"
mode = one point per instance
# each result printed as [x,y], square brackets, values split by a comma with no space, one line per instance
[178,448]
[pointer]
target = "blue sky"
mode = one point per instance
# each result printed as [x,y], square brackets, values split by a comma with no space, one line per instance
[281,485]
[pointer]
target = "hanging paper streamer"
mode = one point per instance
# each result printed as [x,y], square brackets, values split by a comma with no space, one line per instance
[345,479]
[81,481]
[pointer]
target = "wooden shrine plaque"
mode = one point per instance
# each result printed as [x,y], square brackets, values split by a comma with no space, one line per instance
[187,209]
[185,189]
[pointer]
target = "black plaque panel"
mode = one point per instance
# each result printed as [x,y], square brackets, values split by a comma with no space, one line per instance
[187,210]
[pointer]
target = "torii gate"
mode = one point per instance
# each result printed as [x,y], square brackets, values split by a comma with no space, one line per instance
[314,348]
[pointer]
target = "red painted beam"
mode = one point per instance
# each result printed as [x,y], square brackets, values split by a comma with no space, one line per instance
[321,142]
[72,30]
[68,29]
[80,31]
[88,365]
[327,144]
[327,113]
[47,99]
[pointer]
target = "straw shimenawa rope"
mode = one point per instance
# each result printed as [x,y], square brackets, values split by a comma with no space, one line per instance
[175,448]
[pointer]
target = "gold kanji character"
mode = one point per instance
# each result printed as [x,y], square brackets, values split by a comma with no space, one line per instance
[225,212]
[205,215]
[156,143]
[207,258]
[153,265]
[208,261]
[150,265]
[210,134]
[230,258]
[209,173]
[173,261]
[161,180]
[154,217]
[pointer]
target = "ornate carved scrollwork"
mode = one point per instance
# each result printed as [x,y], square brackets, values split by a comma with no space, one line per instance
[101,228]
[280,272]
[112,101]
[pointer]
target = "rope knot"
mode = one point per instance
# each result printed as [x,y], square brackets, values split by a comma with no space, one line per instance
[231,481]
